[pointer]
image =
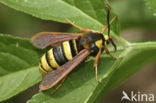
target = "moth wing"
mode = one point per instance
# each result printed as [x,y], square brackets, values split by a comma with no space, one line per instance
[45,39]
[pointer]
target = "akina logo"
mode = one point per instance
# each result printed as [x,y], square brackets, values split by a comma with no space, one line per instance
[140,97]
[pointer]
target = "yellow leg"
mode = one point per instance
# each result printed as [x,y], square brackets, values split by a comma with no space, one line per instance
[96,64]
[76,26]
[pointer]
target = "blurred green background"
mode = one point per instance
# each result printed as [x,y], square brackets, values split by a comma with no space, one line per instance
[137,24]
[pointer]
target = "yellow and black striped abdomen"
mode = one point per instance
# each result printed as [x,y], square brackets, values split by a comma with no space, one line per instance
[58,56]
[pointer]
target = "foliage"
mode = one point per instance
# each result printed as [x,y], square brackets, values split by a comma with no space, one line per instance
[17,66]
[151,5]
[134,14]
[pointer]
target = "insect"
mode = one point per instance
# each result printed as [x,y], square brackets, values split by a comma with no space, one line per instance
[69,50]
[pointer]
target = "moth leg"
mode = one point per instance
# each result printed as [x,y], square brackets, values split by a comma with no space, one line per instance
[76,26]
[96,64]
[107,52]
[59,85]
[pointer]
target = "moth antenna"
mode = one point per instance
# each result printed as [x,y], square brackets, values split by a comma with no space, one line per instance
[108,15]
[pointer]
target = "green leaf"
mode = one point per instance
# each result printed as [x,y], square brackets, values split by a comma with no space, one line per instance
[87,13]
[152,5]
[18,59]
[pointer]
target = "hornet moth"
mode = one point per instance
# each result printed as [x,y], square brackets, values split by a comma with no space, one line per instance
[69,50]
